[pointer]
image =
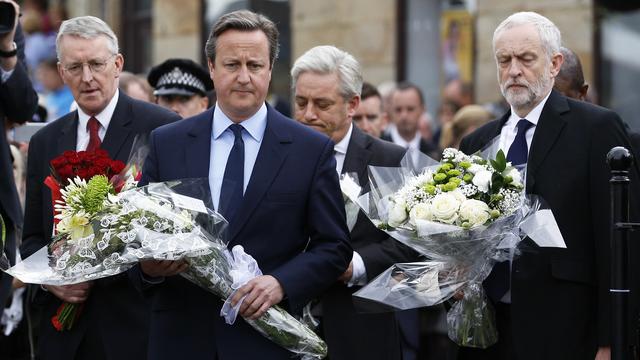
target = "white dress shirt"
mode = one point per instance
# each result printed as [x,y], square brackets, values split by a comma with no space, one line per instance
[510,128]
[413,146]
[104,118]
[222,140]
[508,135]
[359,275]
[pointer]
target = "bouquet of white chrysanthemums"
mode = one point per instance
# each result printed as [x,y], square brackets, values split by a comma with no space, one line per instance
[466,191]
[464,214]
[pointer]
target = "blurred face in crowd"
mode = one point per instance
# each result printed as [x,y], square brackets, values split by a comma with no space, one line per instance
[566,88]
[49,77]
[185,106]
[406,110]
[136,91]
[368,116]
[90,70]
[320,105]
[525,72]
[241,72]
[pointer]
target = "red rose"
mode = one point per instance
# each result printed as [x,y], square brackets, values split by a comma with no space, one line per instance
[65,172]
[117,166]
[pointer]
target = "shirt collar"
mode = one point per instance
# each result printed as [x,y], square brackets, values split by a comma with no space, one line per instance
[533,116]
[254,125]
[342,145]
[399,140]
[104,117]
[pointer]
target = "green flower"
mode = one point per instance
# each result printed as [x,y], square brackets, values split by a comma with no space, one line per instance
[96,193]
[445,167]
[465,164]
[467,178]
[453,173]
[455,180]
[440,177]
[430,189]
[450,186]
[495,213]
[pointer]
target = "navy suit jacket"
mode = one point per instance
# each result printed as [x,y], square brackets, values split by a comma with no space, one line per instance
[115,316]
[291,221]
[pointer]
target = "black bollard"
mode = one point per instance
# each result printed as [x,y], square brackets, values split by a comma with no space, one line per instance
[620,161]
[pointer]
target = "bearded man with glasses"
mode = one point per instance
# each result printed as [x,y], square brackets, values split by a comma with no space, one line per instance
[113,323]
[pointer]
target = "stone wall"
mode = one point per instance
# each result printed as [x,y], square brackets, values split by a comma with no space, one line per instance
[364,28]
[176,28]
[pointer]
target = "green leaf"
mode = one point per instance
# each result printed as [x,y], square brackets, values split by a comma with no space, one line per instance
[500,164]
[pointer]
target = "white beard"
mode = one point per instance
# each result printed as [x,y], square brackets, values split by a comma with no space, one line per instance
[526,97]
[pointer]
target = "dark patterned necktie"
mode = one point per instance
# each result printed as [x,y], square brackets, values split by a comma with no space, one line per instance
[231,191]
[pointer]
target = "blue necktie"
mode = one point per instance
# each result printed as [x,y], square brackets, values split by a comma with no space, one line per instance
[497,284]
[231,191]
[518,152]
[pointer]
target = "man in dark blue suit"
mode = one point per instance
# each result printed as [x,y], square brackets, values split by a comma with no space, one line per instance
[272,178]
[113,323]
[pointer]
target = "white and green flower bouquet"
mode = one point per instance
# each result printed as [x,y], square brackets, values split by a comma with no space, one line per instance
[464,214]
[165,221]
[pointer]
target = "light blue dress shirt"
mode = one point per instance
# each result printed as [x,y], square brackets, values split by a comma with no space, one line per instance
[222,141]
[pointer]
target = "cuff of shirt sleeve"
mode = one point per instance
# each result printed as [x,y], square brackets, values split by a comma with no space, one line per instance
[151,280]
[359,275]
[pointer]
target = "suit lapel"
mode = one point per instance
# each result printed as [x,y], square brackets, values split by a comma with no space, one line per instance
[198,147]
[273,151]
[358,155]
[68,135]
[119,128]
[546,134]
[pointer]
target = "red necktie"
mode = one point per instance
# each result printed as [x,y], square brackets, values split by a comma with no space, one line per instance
[94,139]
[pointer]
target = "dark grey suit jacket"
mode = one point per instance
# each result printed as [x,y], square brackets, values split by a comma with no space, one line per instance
[349,334]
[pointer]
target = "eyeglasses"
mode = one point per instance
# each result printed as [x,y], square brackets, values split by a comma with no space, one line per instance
[95,66]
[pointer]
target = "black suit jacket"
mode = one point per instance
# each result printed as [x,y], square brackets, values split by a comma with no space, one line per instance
[560,297]
[115,317]
[349,334]
[18,102]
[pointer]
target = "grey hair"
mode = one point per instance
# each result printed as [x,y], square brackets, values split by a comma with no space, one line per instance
[243,20]
[328,59]
[87,27]
[548,32]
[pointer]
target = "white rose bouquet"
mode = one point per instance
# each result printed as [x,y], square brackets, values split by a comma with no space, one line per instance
[464,214]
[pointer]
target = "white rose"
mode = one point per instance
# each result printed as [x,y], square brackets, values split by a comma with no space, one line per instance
[398,212]
[515,175]
[475,168]
[445,208]
[420,211]
[458,194]
[475,212]
[482,180]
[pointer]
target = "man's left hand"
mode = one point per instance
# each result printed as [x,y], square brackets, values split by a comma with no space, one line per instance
[346,276]
[604,353]
[262,292]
